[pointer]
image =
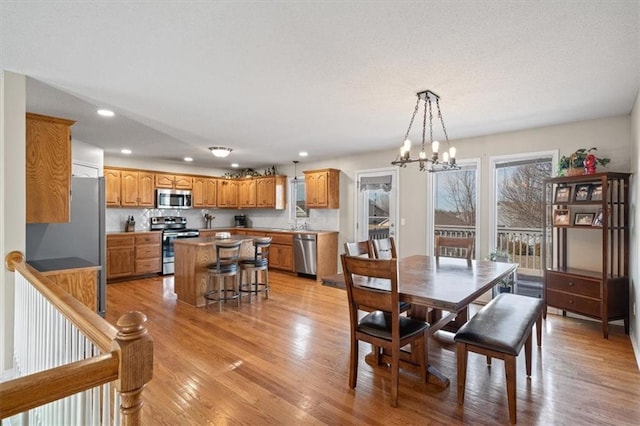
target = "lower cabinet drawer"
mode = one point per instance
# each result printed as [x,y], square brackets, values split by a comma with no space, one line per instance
[149,251]
[572,284]
[148,266]
[573,303]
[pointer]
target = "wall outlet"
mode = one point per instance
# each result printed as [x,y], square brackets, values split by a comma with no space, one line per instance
[402,222]
[633,308]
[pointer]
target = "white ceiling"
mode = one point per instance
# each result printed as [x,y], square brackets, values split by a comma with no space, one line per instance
[269,79]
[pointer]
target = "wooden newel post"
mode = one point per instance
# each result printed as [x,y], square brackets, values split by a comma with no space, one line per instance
[136,364]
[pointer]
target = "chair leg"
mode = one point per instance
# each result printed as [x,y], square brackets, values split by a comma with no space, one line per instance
[266,283]
[236,292]
[461,356]
[395,375]
[353,364]
[221,286]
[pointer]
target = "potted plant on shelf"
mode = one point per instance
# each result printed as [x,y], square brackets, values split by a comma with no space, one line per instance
[583,161]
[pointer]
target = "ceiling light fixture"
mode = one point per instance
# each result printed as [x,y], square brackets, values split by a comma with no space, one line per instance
[125,151]
[303,153]
[188,159]
[448,158]
[220,151]
[235,165]
[106,113]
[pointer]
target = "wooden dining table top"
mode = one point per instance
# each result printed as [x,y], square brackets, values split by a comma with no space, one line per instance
[447,283]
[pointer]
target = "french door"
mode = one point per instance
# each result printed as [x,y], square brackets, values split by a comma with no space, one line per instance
[376,203]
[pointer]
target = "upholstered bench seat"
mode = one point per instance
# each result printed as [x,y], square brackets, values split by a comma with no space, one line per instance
[499,330]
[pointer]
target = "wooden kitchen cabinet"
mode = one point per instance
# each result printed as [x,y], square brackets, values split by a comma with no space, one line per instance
[322,188]
[129,188]
[227,193]
[204,192]
[169,181]
[81,283]
[281,251]
[120,255]
[247,193]
[148,250]
[133,253]
[271,192]
[48,169]
[112,187]
[598,288]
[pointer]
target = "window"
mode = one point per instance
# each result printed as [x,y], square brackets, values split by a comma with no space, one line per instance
[297,208]
[455,195]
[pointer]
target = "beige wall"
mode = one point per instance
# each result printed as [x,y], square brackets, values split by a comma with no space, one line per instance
[635,235]
[12,198]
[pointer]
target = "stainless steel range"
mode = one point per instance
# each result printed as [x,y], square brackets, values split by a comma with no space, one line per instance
[172,227]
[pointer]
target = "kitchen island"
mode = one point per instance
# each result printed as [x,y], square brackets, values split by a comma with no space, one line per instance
[192,256]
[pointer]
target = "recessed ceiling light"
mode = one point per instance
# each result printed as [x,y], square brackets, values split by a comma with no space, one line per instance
[188,159]
[235,165]
[105,113]
[125,151]
[303,153]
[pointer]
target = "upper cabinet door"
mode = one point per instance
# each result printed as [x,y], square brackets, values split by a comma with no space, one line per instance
[48,169]
[112,187]
[322,188]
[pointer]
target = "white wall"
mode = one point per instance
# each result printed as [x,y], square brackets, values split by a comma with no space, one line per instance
[12,198]
[635,234]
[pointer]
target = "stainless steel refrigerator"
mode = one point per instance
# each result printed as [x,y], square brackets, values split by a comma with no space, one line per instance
[83,237]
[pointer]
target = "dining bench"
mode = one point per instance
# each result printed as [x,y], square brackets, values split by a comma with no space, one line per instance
[499,330]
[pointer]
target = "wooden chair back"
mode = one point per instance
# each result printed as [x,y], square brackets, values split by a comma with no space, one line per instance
[372,299]
[444,243]
[358,248]
[384,248]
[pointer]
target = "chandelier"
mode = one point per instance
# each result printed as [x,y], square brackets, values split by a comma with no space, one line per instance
[448,161]
[220,151]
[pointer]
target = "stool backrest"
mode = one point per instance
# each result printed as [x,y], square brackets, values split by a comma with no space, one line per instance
[227,252]
[261,250]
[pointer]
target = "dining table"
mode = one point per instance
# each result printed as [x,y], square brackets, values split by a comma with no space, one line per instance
[440,291]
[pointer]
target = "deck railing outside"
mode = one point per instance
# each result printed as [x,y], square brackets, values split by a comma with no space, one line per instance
[521,244]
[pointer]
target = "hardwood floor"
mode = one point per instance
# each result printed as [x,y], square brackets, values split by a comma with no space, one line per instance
[284,360]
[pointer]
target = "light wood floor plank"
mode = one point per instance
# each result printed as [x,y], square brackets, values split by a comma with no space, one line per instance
[284,360]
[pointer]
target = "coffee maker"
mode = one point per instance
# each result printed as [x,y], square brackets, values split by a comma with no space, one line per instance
[240,221]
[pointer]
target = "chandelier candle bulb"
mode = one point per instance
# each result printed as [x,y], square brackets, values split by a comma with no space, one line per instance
[445,157]
[435,146]
[452,152]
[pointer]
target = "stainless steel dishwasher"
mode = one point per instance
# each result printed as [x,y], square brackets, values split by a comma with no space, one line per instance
[305,254]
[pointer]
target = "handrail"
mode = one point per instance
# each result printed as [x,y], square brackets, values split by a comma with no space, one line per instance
[92,325]
[127,360]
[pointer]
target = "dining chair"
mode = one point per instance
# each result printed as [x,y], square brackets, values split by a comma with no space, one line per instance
[383,327]
[384,248]
[452,246]
[359,248]
[254,267]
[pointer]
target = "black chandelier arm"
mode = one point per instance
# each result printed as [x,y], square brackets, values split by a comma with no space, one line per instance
[415,111]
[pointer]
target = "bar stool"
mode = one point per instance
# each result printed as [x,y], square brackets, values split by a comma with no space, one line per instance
[225,266]
[253,266]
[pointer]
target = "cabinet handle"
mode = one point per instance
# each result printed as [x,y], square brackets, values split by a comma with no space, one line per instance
[571,284]
[571,301]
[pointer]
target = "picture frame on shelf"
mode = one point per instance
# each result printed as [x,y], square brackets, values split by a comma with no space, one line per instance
[597,220]
[563,194]
[584,219]
[582,192]
[561,217]
[596,192]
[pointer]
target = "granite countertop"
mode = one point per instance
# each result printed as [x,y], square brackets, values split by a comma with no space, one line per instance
[132,232]
[62,263]
[206,241]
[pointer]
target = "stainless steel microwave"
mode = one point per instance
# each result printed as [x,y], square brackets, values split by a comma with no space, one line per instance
[173,199]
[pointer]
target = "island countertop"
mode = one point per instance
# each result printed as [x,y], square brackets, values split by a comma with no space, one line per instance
[192,256]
